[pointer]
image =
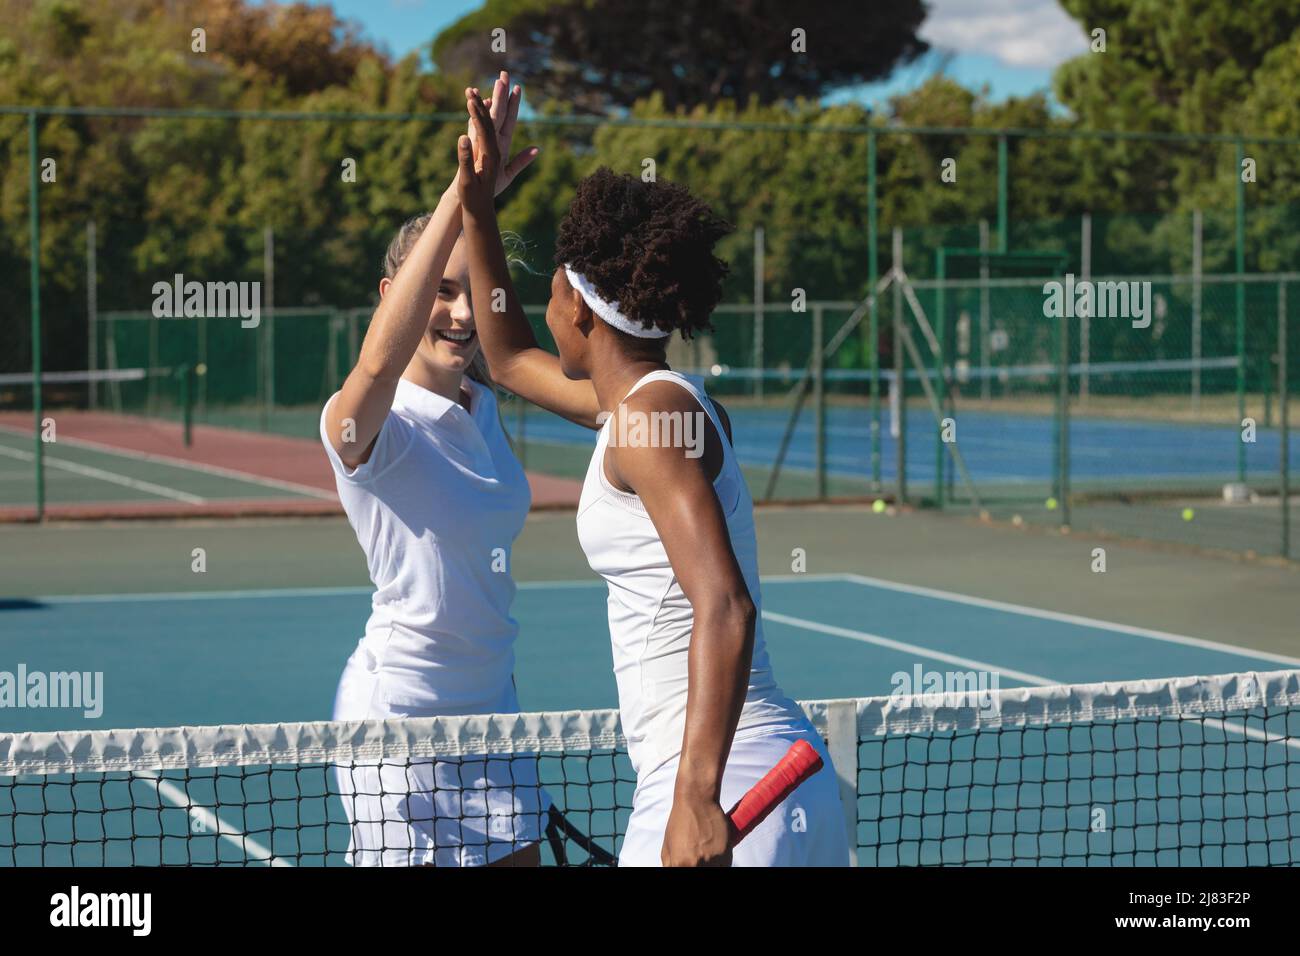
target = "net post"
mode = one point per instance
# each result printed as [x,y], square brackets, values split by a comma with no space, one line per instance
[900,380]
[1284,422]
[819,401]
[34,222]
[1241,307]
[873,320]
[842,745]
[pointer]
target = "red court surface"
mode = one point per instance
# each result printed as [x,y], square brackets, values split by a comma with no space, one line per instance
[294,471]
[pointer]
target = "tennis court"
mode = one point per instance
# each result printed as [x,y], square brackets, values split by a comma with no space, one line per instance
[1001,447]
[1210,786]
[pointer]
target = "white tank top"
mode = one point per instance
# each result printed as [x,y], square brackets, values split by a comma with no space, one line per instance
[650,618]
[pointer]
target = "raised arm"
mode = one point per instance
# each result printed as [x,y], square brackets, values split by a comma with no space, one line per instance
[678,495]
[357,413]
[517,362]
[355,417]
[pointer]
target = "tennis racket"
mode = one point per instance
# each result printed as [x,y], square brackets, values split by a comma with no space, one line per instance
[799,763]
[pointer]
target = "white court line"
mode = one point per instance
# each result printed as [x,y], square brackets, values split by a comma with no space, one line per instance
[111,477]
[202,595]
[1228,726]
[346,590]
[860,636]
[1079,620]
[201,468]
[209,821]
[917,649]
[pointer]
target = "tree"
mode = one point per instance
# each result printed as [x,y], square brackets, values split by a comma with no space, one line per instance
[598,55]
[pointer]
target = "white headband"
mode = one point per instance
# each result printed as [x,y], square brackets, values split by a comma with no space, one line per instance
[609,310]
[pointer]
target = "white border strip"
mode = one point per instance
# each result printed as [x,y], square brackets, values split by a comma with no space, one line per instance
[252,593]
[1063,618]
[363,741]
[112,477]
[917,649]
[201,468]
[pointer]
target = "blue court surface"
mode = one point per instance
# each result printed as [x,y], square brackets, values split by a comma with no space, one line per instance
[268,656]
[999,447]
[273,656]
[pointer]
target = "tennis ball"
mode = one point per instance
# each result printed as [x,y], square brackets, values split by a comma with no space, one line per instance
[1188,514]
[878,506]
[1051,504]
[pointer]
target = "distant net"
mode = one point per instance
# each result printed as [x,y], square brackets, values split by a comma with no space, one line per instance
[1181,771]
[143,391]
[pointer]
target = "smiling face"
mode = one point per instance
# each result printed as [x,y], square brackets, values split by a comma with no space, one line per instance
[450,342]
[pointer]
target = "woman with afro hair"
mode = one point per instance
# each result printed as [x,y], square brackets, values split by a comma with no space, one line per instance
[669,525]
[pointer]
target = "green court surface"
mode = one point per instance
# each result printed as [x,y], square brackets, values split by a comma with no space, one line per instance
[80,472]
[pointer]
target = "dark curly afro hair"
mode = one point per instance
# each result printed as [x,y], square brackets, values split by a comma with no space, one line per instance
[647,246]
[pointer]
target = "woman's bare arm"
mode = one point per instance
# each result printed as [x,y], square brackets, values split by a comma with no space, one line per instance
[678,495]
[517,362]
[358,413]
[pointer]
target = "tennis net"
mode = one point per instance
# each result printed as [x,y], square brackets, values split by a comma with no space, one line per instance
[1182,771]
[162,392]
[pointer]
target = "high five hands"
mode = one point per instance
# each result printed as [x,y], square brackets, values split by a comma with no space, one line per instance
[483,175]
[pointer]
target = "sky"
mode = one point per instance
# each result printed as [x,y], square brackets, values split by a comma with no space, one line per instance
[1010,45]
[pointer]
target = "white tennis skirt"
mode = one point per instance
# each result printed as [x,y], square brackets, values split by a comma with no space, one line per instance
[807,829]
[464,811]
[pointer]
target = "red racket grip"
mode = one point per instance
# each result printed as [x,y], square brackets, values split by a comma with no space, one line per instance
[800,762]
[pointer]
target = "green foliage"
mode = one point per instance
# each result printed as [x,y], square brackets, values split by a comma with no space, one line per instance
[595,55]
[195,195]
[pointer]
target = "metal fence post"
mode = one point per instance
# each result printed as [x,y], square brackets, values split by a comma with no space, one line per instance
[941,337]
[1197,233]
[1241,308]
[1085,320]
[1284,396]
[900,366]
[268,326]
[1002,193]
[92,315]
[986,380]
[34,222]
[819,402]
[873,320]
[1063,419]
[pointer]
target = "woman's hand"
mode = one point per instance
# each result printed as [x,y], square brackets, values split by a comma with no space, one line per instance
[503,107]
[698,834]
[479,159]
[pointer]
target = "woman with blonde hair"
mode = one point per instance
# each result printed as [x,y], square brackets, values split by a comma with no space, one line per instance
[436,496]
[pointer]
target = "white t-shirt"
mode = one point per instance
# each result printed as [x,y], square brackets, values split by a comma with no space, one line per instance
[436,509]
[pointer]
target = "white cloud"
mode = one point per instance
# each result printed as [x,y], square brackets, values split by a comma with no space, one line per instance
[1024,33]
